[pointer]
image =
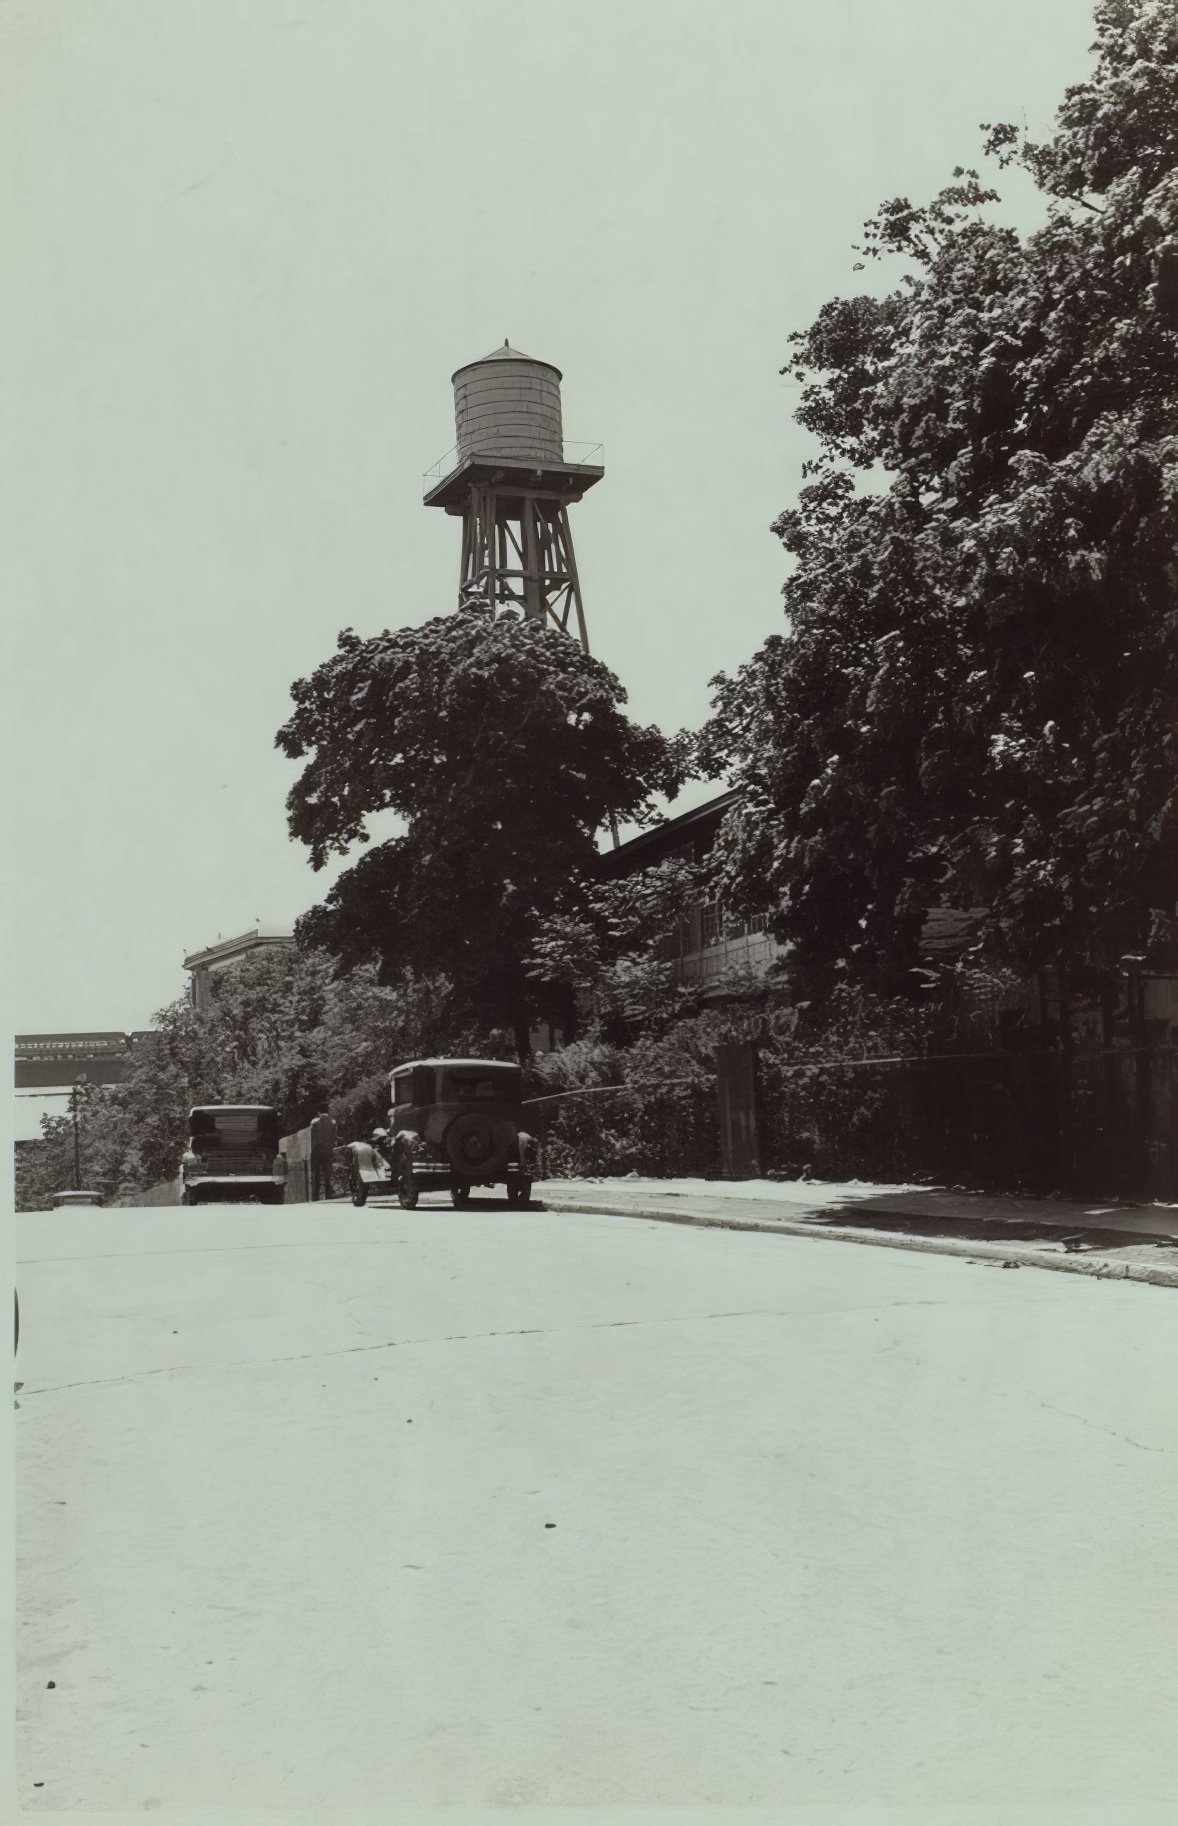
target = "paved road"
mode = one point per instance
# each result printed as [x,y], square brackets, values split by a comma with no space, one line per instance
[334,1508]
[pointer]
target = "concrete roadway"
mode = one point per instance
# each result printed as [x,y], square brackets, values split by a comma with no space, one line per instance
[327,1508]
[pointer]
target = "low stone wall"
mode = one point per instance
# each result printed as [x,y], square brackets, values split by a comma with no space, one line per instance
[166,1193]
[297,1149]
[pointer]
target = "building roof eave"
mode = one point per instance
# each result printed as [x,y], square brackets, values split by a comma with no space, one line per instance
[668,834]
[229,947]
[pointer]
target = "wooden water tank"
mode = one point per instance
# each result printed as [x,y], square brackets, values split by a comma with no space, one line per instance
[508,405]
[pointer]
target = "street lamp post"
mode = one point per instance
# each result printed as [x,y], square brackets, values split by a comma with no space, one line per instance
[76,1096]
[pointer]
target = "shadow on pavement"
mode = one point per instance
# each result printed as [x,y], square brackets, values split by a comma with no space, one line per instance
[862,1216]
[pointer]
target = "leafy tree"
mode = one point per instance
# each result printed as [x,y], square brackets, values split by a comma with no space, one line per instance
[505,750]
[974,703]
[46,1165]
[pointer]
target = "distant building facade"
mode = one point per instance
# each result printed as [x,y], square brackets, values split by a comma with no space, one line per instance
[226,953]
[713,944]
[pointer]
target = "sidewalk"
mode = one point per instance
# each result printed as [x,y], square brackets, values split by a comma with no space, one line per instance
[1119,1241]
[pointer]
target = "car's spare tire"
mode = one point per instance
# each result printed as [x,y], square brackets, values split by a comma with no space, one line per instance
[479,1145]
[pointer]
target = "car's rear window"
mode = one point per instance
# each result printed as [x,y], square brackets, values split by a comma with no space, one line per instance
[240,1127]
[463,1087]
[474,1087]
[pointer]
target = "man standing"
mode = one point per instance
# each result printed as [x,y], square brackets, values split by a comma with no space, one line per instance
[322,1144]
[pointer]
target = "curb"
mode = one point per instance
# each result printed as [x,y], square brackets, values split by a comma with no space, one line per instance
[1098,1268]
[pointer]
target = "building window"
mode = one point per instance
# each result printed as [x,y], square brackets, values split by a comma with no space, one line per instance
[747,928]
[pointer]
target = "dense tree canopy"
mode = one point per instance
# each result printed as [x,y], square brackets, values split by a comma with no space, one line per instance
[505,750]
[974,703]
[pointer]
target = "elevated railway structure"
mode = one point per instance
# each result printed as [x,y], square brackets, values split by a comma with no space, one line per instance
[48,1063]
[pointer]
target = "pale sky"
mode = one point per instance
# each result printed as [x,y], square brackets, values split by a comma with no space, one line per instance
[248,243]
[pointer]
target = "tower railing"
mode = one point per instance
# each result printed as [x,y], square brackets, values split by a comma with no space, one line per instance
[579,454]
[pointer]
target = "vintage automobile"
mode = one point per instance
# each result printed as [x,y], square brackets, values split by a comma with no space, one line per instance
[455,1124]
[232,1155]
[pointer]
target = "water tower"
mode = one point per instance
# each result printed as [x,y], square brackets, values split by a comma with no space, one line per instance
[513,488]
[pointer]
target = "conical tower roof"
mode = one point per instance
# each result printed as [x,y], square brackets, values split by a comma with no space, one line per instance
[506,353]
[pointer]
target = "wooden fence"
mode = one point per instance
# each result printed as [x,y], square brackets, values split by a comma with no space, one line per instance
[1103,1123]
[1094,1124]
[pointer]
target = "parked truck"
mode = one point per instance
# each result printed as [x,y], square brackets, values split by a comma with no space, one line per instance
[232,1155]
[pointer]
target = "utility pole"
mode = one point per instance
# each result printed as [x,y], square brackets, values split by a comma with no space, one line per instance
[1142,1067]
[76,1096]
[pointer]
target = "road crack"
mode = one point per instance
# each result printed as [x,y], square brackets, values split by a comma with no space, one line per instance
[460,1337]
[1050,1407]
